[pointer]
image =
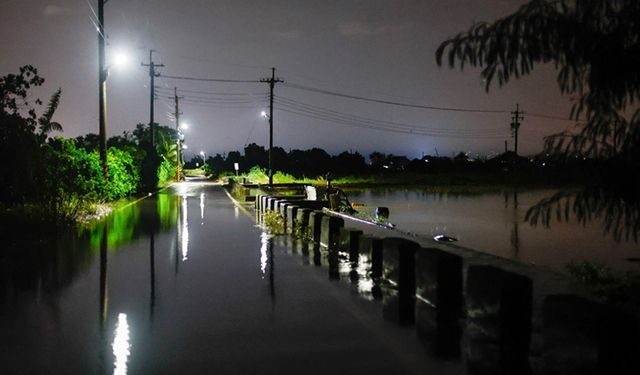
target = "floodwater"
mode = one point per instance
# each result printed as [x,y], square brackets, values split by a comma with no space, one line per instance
[495,223]
[183,283]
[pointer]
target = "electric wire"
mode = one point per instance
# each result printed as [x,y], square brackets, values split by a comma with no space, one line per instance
[389,102]
[210,79]
[403,131]
[350,117]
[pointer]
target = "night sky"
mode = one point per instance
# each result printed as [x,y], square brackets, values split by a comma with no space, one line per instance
[380,49]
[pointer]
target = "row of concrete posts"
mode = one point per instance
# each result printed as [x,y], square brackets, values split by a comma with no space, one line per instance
[500,318]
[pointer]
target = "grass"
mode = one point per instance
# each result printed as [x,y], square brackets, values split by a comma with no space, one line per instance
[613,287]
[449,182]
[197,172]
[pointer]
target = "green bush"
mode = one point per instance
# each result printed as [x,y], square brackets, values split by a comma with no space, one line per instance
[166,172]
[274,222]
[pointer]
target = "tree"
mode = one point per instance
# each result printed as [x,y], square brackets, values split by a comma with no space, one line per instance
[45,122]
[595,46]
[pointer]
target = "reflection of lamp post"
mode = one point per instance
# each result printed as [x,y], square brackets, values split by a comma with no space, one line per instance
[203,161]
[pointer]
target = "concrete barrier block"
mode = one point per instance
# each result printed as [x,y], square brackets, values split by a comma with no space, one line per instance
[371,250]
[292,214]
[330,231]
[303,218]
[264,204]
[499,312]
[439,300]
[350,242]
[398,287]
[315,224]
[271,203]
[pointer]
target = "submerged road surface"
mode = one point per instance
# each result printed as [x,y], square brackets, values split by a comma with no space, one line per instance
[185,282]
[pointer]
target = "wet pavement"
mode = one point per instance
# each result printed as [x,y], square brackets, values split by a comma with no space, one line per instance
[186,282]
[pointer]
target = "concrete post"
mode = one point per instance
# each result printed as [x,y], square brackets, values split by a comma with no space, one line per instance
[330,231]
[350,242]
[315,223]
[398,287]
[499,310]
[439,301]
[303,219]
[292,215]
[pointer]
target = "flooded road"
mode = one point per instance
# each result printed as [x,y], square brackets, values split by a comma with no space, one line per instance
[185,282]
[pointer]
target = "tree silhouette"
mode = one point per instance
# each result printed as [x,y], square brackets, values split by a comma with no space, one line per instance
[594,45]
[45,123]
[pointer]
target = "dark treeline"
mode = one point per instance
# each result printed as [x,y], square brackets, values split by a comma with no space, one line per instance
[316,162]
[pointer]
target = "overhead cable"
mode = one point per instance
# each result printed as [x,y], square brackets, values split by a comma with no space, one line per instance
[381,101]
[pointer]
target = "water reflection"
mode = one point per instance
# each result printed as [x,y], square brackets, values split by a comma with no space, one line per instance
[514,238]
[183,230]
[496,222]
[267,261]
[152,276]
[202,208]
[618,207]
[121,346]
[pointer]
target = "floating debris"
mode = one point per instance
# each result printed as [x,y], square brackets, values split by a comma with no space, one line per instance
[443,238]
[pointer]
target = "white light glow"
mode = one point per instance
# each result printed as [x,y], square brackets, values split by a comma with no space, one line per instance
[265,238]
[263,114]
[184,235]
[121,346]
[202,207]
[121,60]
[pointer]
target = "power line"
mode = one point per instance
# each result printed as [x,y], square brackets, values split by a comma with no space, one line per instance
[549,117]
[381,101]
[210,79]
[213,93]
[351,117]
[403,131]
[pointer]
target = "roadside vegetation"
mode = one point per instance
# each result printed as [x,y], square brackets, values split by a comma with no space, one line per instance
[49,181]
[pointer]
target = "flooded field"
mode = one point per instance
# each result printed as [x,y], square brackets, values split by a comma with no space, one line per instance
[495,223]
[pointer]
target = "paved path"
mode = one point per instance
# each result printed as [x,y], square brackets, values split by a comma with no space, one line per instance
[205,291]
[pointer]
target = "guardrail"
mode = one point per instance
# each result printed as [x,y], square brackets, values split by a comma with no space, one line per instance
[499,316]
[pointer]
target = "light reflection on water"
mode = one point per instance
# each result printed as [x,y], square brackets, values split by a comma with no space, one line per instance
[121,346]
[265,239]
[183,232]
[202,208]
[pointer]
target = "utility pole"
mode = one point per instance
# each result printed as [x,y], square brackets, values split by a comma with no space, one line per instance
[152,74]
[515,125]
[271,81]
[178,148]
[102,90]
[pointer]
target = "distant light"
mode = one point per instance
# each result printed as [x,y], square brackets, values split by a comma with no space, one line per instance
[184,126]
[202,153]
[184,147]
[263,114]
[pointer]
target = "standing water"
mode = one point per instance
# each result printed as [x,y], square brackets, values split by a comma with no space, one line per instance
[185,283]
[495,223]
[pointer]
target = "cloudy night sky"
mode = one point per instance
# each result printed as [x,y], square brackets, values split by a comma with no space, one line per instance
[378,49]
